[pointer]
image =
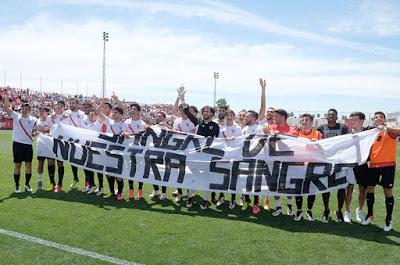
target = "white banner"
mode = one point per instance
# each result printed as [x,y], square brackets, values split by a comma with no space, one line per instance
[274,165]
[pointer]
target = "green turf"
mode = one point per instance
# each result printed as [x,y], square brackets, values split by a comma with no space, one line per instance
[151,232]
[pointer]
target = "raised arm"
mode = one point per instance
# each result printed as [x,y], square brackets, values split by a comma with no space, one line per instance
[263,107]
[7,104]
[119,104]
[191,117]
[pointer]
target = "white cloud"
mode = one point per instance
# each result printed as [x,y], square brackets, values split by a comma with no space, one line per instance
[380,18]
[225,13]
[147,64]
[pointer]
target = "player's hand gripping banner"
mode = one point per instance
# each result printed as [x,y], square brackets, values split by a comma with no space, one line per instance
[274,165]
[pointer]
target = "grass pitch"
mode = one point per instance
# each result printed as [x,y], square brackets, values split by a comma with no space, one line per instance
[153,232]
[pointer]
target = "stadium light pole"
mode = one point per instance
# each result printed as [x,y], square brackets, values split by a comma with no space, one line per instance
[105,39]
[216,76]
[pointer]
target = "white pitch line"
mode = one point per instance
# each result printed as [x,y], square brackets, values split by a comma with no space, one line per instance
[66,248]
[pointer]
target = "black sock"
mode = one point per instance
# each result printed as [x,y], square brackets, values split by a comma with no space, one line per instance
[233,197]
[120,185]
[51,170]
[256,199]
[90,178]
[27,179]
[247,198]
[180,191]
[75,172]
[100,177]
[130,183]
[212,196]
[163,189]
[156,188]
[140,185]
[299,202]
[370,203]
[341,197]
[60,171]
[325,198]
[16,180]
[111,181]
[389,208]
[310,201]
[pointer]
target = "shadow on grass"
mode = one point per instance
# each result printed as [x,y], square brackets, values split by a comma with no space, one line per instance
[284,222]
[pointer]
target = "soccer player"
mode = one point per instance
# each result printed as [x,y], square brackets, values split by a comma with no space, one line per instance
[116,127]
[252,127]
[229,132]
[221,116]
[307,131]
[182,124]
[265,119]
[360,173]
[332,129]
[23,127]
[160,122]
[135,125]
[75,118]
[281,126]
[56,118]
[43,126]
[93,125]
[241,120]
[206,128]
[382,168]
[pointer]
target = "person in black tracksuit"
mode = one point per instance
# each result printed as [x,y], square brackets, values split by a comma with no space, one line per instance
[207,128]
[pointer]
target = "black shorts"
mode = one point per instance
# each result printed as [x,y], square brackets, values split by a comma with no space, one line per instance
[41,158]
[383,176]
[361,174]
[22,152]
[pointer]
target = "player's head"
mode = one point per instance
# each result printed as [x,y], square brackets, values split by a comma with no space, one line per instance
[106,109]
[332,115]
[92,115]
[134,110]
[43,112]
[207,112]
[160,117]
[280,116]
[306,121]
[117,114]
[379,118]
[25,109]
[222,112]
[357,119]
[242,115]
[270,113]
[251,117]
[193,109]
[183,115]
[230,116]
[73,104]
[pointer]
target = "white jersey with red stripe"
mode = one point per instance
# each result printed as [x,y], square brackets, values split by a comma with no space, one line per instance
[230,131]
[253,129]
[184,125]
[134,126]
[115,127]
[22,128]
[74,118]
[94,126]
[41,124]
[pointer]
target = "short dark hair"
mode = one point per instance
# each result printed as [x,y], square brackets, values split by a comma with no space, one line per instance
[26,105]
[223,107]
[162,114]
[108,104]
[137,106]
[307,115]
[359,114]
[212,110]
[119,110]
[334,110]
[61,102]
[253,113]
[194,108]
[282,112]
[380,112]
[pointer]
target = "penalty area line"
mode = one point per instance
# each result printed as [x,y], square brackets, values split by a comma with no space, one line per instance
[66,248]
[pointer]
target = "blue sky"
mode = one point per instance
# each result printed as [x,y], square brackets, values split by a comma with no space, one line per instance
[314,54]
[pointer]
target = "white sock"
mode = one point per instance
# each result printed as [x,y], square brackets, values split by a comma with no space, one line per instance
[289,200]
[40,177]
[278,203]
